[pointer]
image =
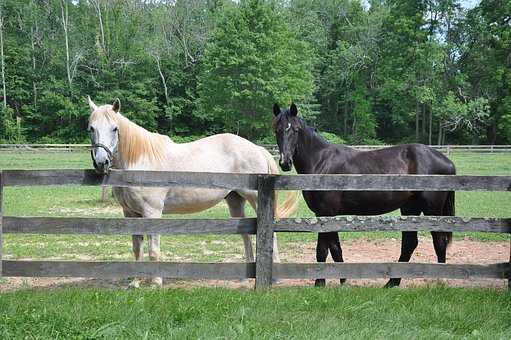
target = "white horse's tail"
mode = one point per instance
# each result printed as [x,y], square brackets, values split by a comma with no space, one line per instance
[290,205]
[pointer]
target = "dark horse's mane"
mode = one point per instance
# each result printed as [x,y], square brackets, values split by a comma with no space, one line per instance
[312,133]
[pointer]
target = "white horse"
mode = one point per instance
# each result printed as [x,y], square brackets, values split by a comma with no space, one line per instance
[119,143]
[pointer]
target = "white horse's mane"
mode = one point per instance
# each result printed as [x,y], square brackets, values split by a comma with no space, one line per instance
[135,142]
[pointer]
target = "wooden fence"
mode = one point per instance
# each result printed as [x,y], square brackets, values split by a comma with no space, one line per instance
[263,270]
[447,149]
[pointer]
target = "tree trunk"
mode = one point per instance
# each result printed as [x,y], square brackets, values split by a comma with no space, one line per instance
[163,79]
[65,23]
[423,132]
[439,141]
[430,127]
[34,65]
[417,116]
[4,89]
[345,118]
[97,6]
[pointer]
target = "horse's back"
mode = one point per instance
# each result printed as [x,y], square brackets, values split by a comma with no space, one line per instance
[400,159]
[221,153]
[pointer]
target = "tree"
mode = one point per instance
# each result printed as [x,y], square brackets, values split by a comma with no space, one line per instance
[252,61]
[485,44]
[2,56]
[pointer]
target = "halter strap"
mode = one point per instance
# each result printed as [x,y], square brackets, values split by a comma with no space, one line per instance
[104,147]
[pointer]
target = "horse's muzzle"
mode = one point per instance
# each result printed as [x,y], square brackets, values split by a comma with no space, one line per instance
[101,162]
[102,168]
[286,165]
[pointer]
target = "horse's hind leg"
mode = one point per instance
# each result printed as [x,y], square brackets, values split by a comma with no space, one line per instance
[154,255]
[251,197]
[336,250]
[409,239]
[236,205]
[322,253]
[440,204]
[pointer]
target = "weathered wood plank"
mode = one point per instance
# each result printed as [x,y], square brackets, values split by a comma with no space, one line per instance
[364,182]
[249,181]
[51,177]
[127,178]
[130,226]
[107,270]
[264,245]
[393,223]
[388,270]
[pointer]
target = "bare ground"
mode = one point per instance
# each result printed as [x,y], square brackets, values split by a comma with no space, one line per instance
[385,250]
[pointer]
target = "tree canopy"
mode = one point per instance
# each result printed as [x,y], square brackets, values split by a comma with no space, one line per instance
[427,71]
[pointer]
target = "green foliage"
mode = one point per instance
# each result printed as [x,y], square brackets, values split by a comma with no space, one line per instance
[387,70]
[333,138]
[11,130]
[252,61]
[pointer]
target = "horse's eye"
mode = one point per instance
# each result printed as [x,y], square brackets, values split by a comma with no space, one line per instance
[91,129]
[115,129]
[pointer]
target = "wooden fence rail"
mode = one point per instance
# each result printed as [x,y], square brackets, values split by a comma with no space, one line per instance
[448,149]
[263,270]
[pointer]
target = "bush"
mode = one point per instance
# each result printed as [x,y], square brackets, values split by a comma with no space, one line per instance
[11,129]
[186,139]
[332,138]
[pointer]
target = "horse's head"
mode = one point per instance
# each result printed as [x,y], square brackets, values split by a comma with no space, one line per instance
[104,134]
[286,125]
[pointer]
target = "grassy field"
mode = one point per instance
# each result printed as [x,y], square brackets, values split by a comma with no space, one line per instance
[85,201]
[218,313]
[291,313]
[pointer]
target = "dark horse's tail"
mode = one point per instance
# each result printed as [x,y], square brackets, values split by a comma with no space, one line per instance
[449,210]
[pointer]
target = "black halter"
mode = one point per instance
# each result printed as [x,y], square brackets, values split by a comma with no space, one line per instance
[104,147]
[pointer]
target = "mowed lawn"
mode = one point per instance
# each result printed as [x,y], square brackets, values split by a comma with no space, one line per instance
[289,313]
[85,201]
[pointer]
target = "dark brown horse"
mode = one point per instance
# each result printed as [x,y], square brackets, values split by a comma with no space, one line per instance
[310,153]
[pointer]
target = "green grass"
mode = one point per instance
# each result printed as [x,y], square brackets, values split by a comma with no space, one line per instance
[212,313]
[297,313]
[84,201]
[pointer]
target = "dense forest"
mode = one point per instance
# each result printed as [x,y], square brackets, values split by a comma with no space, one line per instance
[392,71]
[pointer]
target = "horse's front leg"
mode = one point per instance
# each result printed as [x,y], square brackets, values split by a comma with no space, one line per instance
[154,255]
[138,251]
[321,254]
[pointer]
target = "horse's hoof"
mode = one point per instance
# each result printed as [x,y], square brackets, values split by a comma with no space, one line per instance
[134,284]
[156,282]
[320,283]
[393,283]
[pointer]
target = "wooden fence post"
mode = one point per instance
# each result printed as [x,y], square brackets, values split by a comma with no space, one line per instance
[264,245]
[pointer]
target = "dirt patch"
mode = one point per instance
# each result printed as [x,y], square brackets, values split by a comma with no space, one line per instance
[387,250]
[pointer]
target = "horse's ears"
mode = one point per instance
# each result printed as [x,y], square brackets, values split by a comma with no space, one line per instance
[116,106]
[293,110]
[276,109]
[92,106]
